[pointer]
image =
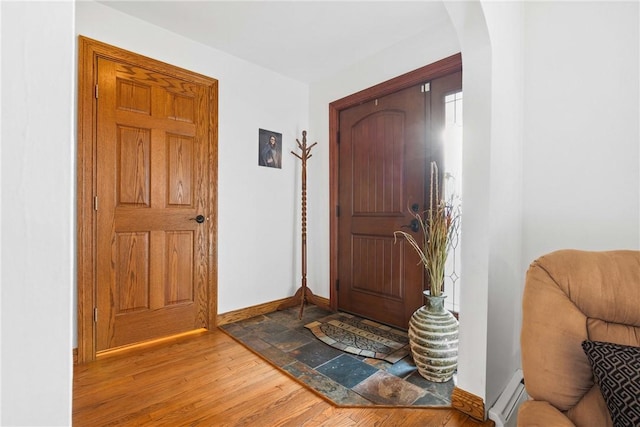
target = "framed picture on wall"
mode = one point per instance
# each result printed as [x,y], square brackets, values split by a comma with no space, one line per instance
[269,149]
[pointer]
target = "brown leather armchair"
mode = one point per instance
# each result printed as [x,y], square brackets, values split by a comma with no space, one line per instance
[571,296]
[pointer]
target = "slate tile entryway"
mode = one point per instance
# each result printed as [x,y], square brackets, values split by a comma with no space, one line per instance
[346,379]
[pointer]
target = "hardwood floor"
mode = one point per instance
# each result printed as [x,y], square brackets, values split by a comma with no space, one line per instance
[208,379]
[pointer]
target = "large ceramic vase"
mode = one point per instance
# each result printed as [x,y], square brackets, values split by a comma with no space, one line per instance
[433,338]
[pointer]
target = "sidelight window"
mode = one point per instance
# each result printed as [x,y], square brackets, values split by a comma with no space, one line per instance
[452,147]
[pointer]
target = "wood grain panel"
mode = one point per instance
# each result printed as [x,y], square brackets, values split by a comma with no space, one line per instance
[378,163]
[179,279]
[181,108]
[127,118]
[382,277]
[132,274]
[151,72]
[133,166]
[133,96]
[181,165]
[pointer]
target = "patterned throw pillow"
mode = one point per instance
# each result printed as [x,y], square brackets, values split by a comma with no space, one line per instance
[616,369]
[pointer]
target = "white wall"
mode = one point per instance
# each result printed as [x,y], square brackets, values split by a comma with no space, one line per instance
[1,241]
[471,27]
[38,52]
[505,21]
[258,213]
[581,174]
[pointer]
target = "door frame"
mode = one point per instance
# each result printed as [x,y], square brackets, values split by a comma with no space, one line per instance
[432,71]
[88,53]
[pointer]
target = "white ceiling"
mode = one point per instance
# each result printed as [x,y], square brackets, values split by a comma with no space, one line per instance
[305,40]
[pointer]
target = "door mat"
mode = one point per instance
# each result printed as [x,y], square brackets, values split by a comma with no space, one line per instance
[362,337]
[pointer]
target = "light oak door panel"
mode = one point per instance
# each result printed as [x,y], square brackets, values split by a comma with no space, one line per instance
[152,132]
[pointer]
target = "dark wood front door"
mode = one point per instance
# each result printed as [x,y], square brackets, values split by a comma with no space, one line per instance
[382,169]
[384,151]
[147,199]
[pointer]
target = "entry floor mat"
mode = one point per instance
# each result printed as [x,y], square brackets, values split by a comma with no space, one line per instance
[344,378]
[362,337]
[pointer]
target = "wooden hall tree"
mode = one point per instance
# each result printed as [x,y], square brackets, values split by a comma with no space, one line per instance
[303,294]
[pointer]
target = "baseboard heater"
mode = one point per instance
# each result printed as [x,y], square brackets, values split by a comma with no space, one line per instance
[505,411]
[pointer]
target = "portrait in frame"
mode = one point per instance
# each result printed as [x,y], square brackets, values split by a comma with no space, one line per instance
[269,149]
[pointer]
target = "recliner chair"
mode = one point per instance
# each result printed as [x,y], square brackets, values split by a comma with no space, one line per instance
[571,296]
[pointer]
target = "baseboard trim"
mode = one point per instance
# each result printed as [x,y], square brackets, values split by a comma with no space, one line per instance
[256,310]
[468,403]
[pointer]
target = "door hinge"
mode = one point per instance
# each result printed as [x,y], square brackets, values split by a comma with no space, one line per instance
[96,91]
[337,210]
[95,203]
[95,314]
[425,87]
[337,284]
[337,137]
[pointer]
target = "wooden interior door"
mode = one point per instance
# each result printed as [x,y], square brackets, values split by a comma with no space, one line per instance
[385,148]
[152,183]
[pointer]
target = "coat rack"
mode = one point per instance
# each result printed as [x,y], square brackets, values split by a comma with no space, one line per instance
[303,294]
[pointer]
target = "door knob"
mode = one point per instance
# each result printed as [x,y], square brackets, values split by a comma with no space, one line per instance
[199,219]
[413,225]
